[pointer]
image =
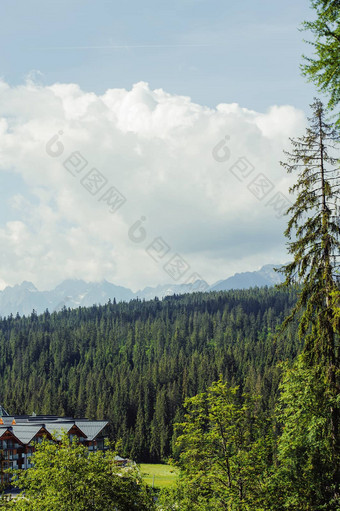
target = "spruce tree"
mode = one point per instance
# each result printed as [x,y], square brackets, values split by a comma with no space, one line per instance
[314,242]
[313,231]
[323,67]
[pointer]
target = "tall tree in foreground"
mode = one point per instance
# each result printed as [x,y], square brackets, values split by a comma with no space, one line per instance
[314,236]
[323,68]
[309,448]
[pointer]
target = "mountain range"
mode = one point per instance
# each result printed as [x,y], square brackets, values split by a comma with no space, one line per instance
[23,298]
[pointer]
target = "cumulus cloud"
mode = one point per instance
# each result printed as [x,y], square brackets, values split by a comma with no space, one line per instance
[105,175]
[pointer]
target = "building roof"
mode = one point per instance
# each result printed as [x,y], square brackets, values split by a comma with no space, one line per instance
[26,427]
[26,433]
[4,429]
[58,428]
[3,412]
[91,428]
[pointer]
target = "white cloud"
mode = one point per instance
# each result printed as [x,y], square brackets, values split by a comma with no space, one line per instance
[156,149]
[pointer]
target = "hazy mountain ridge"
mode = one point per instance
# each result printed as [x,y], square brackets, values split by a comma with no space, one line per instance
[266,276]
[23,298]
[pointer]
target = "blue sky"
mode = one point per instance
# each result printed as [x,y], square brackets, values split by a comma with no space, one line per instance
[145,91]
[213,51]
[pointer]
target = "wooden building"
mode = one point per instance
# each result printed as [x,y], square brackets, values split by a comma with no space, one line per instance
[20,433]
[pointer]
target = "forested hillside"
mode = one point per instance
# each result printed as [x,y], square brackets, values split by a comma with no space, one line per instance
[135,363]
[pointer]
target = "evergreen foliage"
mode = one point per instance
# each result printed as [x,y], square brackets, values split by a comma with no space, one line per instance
[135,363]
[232,460]
[323,67]
[309,448]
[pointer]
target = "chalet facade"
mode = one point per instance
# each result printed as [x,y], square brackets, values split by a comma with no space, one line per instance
[20,433]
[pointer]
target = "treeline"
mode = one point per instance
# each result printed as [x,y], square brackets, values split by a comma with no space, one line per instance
[135,363]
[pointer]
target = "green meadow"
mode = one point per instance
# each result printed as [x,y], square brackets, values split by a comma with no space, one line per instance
[159,475]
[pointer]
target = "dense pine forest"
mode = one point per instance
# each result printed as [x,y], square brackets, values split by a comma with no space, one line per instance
[238,391]
[135,363]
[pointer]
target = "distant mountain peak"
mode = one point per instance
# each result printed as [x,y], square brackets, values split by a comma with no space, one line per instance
[265,276]
[24,285]
[25,297]
[28,285]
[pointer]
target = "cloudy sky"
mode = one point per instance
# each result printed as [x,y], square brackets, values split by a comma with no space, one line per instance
[140,142]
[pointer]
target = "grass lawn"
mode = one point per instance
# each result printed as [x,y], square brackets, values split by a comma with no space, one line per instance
[162,475]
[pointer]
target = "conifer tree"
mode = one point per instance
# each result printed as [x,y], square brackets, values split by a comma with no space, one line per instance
[323,68]
[313,231]
[314,242]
